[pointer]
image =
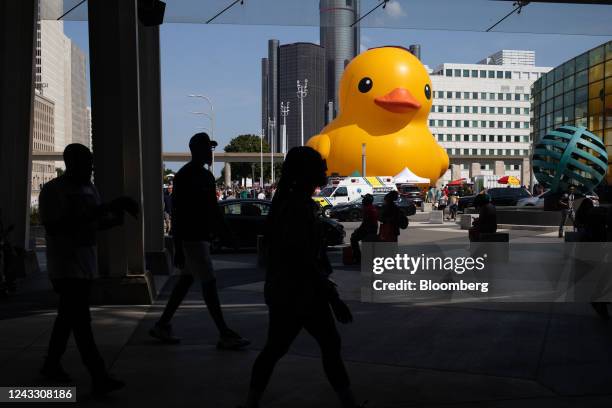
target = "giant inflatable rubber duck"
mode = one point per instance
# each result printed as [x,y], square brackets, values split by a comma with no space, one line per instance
[384,101]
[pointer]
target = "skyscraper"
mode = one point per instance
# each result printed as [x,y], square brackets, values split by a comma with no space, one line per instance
[340,39]
[300,61]
[61,77]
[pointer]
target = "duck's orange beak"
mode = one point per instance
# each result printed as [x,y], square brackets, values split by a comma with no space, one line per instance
[399,100]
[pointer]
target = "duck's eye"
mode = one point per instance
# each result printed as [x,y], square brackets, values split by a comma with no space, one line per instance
[365,85]
[427,91]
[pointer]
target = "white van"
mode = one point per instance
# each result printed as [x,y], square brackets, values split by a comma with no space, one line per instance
[351,188]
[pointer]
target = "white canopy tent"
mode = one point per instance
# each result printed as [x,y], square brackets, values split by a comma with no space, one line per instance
[408,177]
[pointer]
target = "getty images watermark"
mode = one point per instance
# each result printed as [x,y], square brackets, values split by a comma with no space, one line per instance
[439,273]
[415,264]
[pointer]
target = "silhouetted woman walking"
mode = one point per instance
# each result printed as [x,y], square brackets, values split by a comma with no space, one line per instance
[297,290]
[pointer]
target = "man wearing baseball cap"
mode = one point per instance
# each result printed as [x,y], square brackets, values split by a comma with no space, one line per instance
[196,217]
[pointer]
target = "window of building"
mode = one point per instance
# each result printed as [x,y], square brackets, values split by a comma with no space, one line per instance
[517,111]
[526,125]
[525,111]
[466,73]
[457,109]
[466,95]
[517,125]
[491,96]
[526,97]
[500,74]
[500,138]
[491,123]
[466,109]
[491,109]
[508,111]
[500,96]
[432,123]
[449,72]
[474,95]
[449,109]
[483,109]
[500,110]
[491,74]
[466,123]
[483,95]
[457,95]
[466,138]
[457,72]
[483,73]
[474,109]
[458,123]
[449,123]
[449,95]
[508,97]
[491,138]
[507,74]
[474,73]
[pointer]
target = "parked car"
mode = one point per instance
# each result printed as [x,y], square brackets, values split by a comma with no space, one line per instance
[351,211]
[411,192]
[538,201]
[246,220]
[500,196]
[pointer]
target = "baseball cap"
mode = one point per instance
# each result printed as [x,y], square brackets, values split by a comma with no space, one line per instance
[202,138]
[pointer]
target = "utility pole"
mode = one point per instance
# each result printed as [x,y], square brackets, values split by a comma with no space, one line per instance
[363,160]
[302,92]
[272,125]
[284,110]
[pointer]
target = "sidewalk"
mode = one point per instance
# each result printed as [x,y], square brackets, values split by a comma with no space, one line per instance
[491,355]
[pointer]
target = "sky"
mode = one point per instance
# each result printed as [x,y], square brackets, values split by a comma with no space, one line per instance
[223,62]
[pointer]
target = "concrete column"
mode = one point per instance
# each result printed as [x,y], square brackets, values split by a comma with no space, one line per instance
[17,28]
[115,96]
[474,169]
[227,172]
[455,171]
[500,168]
[526,172]
[156,256]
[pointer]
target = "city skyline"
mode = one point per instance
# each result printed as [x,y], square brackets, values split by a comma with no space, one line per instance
[233,72]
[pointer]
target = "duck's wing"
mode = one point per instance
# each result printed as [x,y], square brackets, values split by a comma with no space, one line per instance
[321,144]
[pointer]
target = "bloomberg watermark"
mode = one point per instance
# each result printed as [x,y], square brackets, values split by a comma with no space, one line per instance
[493,272]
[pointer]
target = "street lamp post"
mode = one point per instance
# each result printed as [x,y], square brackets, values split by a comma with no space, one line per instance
[284,110]
[212,120]
[261,182]
[272,125]
[302,92]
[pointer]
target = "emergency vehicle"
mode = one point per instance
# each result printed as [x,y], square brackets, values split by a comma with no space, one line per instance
[352,188]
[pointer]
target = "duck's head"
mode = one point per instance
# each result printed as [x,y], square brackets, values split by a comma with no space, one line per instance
[385,85]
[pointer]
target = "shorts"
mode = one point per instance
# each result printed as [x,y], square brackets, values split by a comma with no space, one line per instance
[198,261]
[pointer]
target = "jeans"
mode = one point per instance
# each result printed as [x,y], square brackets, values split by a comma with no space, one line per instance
[73,317]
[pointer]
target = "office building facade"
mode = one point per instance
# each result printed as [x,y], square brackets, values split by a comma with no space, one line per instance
[481,116]
[340,37]
[43,140]
[577,93]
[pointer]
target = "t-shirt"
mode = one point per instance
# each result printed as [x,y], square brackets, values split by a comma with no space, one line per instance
[67,211]
[261,196]
[195,210]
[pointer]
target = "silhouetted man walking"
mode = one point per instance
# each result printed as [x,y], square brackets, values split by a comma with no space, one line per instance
[195,217]
[71,211]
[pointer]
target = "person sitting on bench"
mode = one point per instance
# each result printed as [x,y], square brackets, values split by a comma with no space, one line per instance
[487,218]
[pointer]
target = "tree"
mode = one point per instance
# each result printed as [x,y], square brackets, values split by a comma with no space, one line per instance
[250,144]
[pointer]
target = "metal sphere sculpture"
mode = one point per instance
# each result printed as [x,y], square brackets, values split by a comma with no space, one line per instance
[568,156]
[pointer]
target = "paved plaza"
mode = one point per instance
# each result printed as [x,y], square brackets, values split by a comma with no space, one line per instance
[398,355]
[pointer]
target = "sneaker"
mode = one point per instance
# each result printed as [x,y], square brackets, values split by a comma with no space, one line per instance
[55,373]
[106,384]
[164,333]
[230,340]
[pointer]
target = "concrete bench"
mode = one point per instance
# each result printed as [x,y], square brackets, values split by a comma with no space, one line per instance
[465,220]
[571,236]
[426,207]
[436,217]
